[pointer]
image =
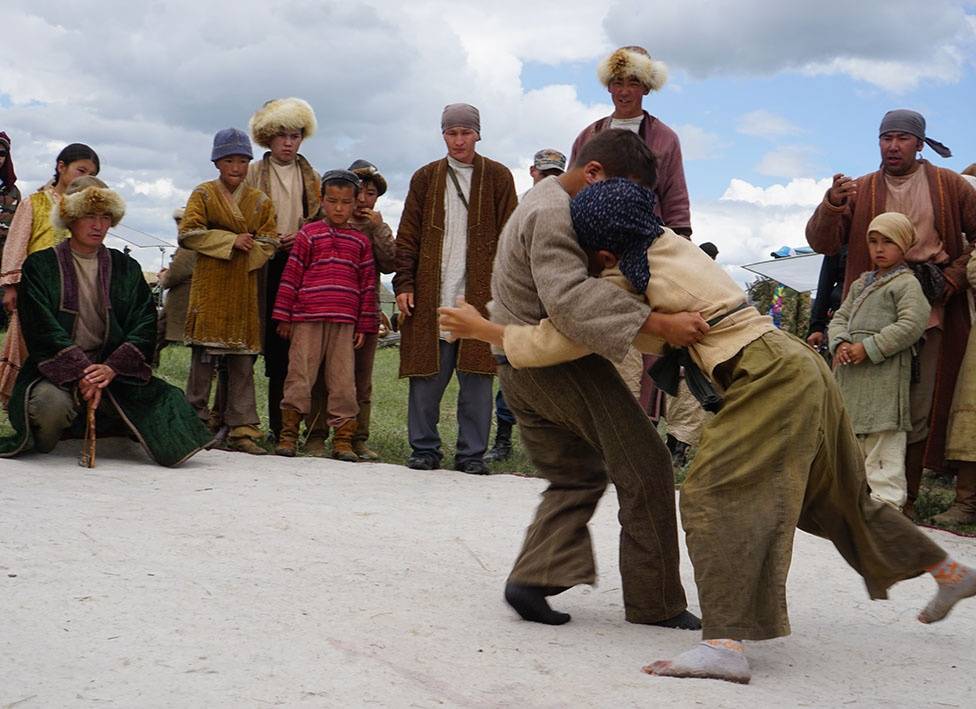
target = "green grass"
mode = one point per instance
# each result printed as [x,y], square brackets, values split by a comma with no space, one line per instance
[388,435]
[388,426]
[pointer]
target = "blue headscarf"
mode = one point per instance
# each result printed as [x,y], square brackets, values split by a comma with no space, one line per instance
[617,215]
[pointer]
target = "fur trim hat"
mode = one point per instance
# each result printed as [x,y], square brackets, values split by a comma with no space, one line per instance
[279,115]
[633,61]
[87,196]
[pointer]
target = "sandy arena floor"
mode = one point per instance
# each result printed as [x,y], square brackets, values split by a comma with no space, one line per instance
[248,582]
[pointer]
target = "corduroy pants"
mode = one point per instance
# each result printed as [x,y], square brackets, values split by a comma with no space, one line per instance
[582,427]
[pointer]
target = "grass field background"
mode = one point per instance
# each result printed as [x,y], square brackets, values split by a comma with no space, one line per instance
[389,424]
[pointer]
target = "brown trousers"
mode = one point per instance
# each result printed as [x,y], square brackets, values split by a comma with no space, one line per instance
[580,426]
[364,358]
[327,348]
[237,405]
[781,454]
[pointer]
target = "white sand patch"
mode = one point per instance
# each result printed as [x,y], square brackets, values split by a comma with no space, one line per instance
[243,581]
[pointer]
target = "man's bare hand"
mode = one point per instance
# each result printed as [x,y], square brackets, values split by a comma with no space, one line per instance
[677,329]
[285,241]
[815,340]
[99,375]
[465,323]
[10,298]
[244,242]
[405,304]
[284,330]
[370,215]
[90,393]
[358,340]
[842,188]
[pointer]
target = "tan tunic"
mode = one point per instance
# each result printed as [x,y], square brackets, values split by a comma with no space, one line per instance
[89,332]
[683,278]
[910,195]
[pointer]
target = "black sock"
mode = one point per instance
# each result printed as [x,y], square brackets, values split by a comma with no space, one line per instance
[530,603]
[683,621]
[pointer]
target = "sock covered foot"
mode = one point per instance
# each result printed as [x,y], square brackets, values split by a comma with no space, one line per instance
[956,582]
[685,620]
[710,659]
[530,603]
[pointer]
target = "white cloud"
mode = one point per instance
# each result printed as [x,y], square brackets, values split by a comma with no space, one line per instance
[148,85]
[894,44]
[790,161]
[747,232]
[804,192]
[765,124]
[697,143]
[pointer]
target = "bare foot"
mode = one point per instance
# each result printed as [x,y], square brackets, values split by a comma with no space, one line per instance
[705,661]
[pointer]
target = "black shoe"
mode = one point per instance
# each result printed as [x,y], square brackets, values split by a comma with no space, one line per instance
[472,466]
[502,450]
[423,461]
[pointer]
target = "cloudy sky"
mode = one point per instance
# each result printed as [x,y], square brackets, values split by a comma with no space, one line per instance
[769,99]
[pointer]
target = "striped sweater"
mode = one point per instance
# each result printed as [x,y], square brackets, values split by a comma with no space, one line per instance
[330,276]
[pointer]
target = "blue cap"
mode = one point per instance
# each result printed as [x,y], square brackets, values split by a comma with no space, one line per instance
[231,141]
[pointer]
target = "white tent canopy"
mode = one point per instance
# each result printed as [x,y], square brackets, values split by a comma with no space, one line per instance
[800,273]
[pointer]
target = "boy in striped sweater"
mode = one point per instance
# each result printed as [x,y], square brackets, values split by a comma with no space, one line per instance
[325,308]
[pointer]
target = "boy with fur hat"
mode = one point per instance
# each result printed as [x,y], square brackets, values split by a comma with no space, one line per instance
[283,174]
[871,336]
[92,336]
[232,228]
[326,307]
[736,495]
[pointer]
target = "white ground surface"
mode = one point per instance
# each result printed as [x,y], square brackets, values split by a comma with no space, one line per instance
[250,582]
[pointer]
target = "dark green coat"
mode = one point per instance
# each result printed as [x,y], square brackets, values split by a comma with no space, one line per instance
[155,412]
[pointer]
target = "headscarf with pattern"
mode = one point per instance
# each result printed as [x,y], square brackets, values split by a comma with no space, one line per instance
[617,215]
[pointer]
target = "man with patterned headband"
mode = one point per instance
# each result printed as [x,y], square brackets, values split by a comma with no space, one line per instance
[941,207]
[281,125]
[92,335]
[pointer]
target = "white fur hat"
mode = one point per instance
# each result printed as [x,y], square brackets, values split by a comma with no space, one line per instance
[87,196]
[282,114]
[633,61]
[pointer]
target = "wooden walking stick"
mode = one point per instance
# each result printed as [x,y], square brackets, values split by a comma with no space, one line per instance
[87,459]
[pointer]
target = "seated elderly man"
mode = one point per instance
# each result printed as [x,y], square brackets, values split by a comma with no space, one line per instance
[90,327]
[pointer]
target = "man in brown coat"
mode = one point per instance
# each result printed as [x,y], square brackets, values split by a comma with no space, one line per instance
[455,210]
[942,208]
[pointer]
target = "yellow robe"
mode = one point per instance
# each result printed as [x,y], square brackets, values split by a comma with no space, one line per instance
[223,311]
[31,230]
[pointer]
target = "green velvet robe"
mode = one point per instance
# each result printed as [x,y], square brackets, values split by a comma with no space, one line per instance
[155,412]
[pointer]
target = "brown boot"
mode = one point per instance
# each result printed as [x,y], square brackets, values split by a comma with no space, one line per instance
[963,509]
[342,442]
[244,439]
[362,435]
[291,421]
[315,444]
